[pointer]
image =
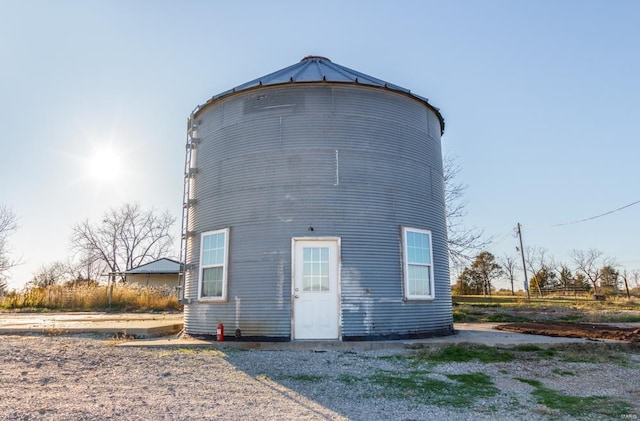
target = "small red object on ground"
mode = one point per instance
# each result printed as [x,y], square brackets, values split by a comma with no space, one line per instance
[220,332]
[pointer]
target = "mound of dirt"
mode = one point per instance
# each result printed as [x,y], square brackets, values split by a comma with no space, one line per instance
[574,330]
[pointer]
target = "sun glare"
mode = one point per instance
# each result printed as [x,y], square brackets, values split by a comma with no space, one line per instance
[105,164]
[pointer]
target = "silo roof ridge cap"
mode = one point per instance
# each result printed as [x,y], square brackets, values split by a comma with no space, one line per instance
[312,57]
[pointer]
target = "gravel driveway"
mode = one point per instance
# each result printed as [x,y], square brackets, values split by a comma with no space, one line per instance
[85,378]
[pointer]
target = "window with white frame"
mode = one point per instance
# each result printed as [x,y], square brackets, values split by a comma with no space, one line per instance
[214,247]
[417,264]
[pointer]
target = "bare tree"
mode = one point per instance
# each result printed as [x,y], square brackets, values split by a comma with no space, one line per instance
[509,267]
[536,259]
[50,274]
[589,263]
[8,225]
[464,242]
[67,272]
[89,266]
[125,238]
[625,278]
[540,266]
[635,275]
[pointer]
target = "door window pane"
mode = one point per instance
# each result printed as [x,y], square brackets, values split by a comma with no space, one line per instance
[212,282]
[315,269]
[418,279]
[213,249]
[418,248]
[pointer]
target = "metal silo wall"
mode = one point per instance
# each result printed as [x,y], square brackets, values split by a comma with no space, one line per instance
[351,161]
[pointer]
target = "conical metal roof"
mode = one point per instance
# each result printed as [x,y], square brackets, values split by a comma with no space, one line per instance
[317,69]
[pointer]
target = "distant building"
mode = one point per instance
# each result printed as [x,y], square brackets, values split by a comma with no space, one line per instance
[161,273]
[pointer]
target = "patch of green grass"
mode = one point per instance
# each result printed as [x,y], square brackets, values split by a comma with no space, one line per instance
[574,317]
[527,348]
[479,299]
[469,314]
[505,318]
[486,305]
[615,317]
[461,392]
[186,351]
[474,381]
[530,382]
[460,316]
[563,372]
[543,352]
[576,406]
[464,353]
[306,378]
[467,352]
[349,379]
[396,357]
[596,353]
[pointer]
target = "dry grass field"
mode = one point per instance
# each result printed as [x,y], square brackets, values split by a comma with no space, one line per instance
[91,298]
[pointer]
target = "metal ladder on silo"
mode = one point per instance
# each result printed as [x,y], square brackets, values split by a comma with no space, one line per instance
[187,202]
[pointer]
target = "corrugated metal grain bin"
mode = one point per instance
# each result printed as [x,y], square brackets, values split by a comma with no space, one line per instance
[314,209]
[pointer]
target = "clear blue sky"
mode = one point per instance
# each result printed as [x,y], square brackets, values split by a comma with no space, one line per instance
[541,101]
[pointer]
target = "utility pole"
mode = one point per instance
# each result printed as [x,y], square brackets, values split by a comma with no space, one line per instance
[524,265]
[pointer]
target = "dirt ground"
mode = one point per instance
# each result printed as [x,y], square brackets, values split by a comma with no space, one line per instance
[49,377]
[596,322]
[575,330]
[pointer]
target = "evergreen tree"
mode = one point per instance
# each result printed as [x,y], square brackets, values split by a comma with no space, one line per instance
[543,280]
[609,280]
[580,283]
[481,273]
[468,283]
[566,280]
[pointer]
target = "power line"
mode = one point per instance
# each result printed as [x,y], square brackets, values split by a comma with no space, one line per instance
[597,216]
[503,237]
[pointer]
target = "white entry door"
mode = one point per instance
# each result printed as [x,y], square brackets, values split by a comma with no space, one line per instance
[316,302]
